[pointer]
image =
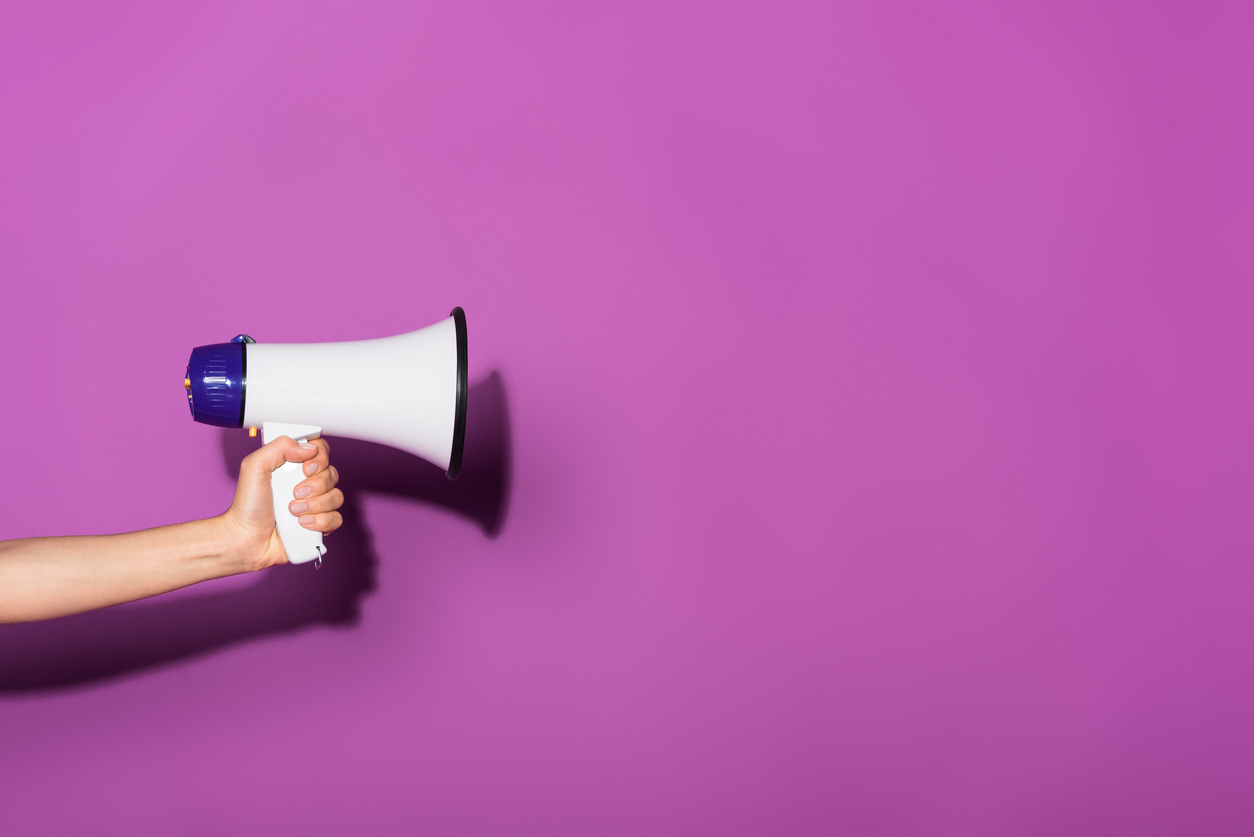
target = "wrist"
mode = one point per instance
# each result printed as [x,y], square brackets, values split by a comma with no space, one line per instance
[230,546]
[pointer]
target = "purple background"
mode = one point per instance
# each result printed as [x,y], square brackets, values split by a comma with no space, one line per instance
[863,423]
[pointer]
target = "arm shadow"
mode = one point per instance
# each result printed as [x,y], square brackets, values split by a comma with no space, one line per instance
[76,651]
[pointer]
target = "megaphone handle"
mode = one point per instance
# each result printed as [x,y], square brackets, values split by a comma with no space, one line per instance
[301,545]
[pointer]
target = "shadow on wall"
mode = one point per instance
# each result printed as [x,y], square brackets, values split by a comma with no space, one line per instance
[77,650]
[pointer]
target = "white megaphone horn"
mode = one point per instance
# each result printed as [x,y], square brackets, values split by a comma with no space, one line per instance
[407,391]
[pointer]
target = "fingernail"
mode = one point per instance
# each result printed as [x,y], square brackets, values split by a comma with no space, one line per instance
[297,508]
[311,468]
[306,520]
[308,446]
[303,492]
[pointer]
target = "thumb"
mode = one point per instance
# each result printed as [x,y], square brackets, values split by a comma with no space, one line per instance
[282,449]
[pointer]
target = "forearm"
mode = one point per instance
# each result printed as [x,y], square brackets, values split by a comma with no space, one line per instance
[42,578]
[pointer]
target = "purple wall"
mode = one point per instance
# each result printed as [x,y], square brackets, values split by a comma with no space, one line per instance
[862,437]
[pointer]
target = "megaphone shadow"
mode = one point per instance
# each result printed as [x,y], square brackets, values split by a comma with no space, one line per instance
[89,647]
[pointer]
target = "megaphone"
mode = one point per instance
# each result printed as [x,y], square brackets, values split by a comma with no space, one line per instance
[407,391]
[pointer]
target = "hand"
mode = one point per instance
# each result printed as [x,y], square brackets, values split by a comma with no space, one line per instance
[251,537]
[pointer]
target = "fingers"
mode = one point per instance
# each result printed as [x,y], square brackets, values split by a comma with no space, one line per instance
[316,497]
[324,523]
[319,461]
[319,483]
[318,503]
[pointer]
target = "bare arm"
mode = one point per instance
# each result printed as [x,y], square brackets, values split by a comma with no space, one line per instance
[42,578]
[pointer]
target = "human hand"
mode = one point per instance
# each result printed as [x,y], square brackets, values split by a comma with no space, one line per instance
[251,537]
